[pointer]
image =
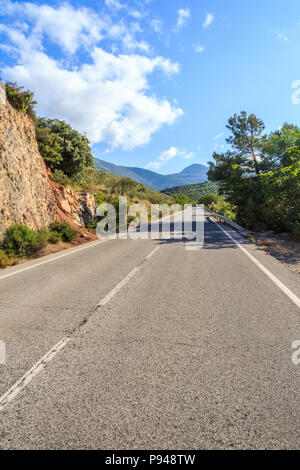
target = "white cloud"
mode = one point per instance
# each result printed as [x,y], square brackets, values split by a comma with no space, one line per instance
[184,15]
[198,47]
[283,37]
[163,159]
[208,20]
[189,156]
[126,35]
[219,136]
[68,27]
[72,28]
[156,25]
[136,14]
[114,4]
[166,156]
[108,96]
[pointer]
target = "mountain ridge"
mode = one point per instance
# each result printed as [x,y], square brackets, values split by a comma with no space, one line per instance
[195,173]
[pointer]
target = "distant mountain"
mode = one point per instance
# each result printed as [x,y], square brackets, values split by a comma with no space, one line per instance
[195,173]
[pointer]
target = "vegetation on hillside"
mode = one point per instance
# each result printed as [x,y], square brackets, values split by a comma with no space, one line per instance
[203,193]
[193,191]
[260,174]
[20,99]
[68,154]
[20,241]
[62,147]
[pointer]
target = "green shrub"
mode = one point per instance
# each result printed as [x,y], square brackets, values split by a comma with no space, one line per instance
[64,229]
[99,198]
[208,198]
[41,240]
[54,237]
[59,177]
[19,99]
[182,199]
[6,260]
[296,231]
[21,241]
[92,225]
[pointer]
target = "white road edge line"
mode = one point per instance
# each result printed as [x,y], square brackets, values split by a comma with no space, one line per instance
[40,365]
[88,245]
[273,278]
[24,381]
[73,251]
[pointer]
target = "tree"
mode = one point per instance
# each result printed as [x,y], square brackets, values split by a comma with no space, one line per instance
[246,138]
[209,198]
[282,196]
[260,175]
[237,170]
[275,145]
[50,147]
[182,199]
[123,185]
[73,147]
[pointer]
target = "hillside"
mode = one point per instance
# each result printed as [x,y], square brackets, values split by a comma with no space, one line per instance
[193,191]
[107,187]
[32,194]
[195,173]
[27,195]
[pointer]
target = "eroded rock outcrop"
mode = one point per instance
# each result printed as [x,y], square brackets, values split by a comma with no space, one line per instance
[27,195]
[78,208]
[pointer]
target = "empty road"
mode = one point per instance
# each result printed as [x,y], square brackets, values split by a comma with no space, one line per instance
[141,344]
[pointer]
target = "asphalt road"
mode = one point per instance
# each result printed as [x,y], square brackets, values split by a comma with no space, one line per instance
[191,351]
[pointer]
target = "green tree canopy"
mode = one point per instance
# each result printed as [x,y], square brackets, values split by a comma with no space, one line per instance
[246,139]
[275,145]
[260,174]
[62,147]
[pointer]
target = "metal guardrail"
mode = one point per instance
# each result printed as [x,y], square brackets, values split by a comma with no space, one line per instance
[226,221]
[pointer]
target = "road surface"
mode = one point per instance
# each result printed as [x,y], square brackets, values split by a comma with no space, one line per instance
[146,345]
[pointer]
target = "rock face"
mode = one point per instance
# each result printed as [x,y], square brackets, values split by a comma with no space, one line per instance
[27,196]
[77,208]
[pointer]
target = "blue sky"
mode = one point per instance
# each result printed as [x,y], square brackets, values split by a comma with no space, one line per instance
[152,83]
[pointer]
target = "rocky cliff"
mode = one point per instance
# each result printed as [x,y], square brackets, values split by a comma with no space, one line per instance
[27,195]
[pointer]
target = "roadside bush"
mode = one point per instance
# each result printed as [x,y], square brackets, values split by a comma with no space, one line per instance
[59,177]
[92,225]
[41,240]
[54,237]
[296,231]
[22,241]
[21,100]
[64,229]
[182,199]
[6,260]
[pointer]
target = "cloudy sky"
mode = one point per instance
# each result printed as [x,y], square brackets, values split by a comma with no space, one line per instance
[153,82]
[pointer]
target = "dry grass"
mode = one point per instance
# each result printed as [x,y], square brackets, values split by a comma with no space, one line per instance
[283,249]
